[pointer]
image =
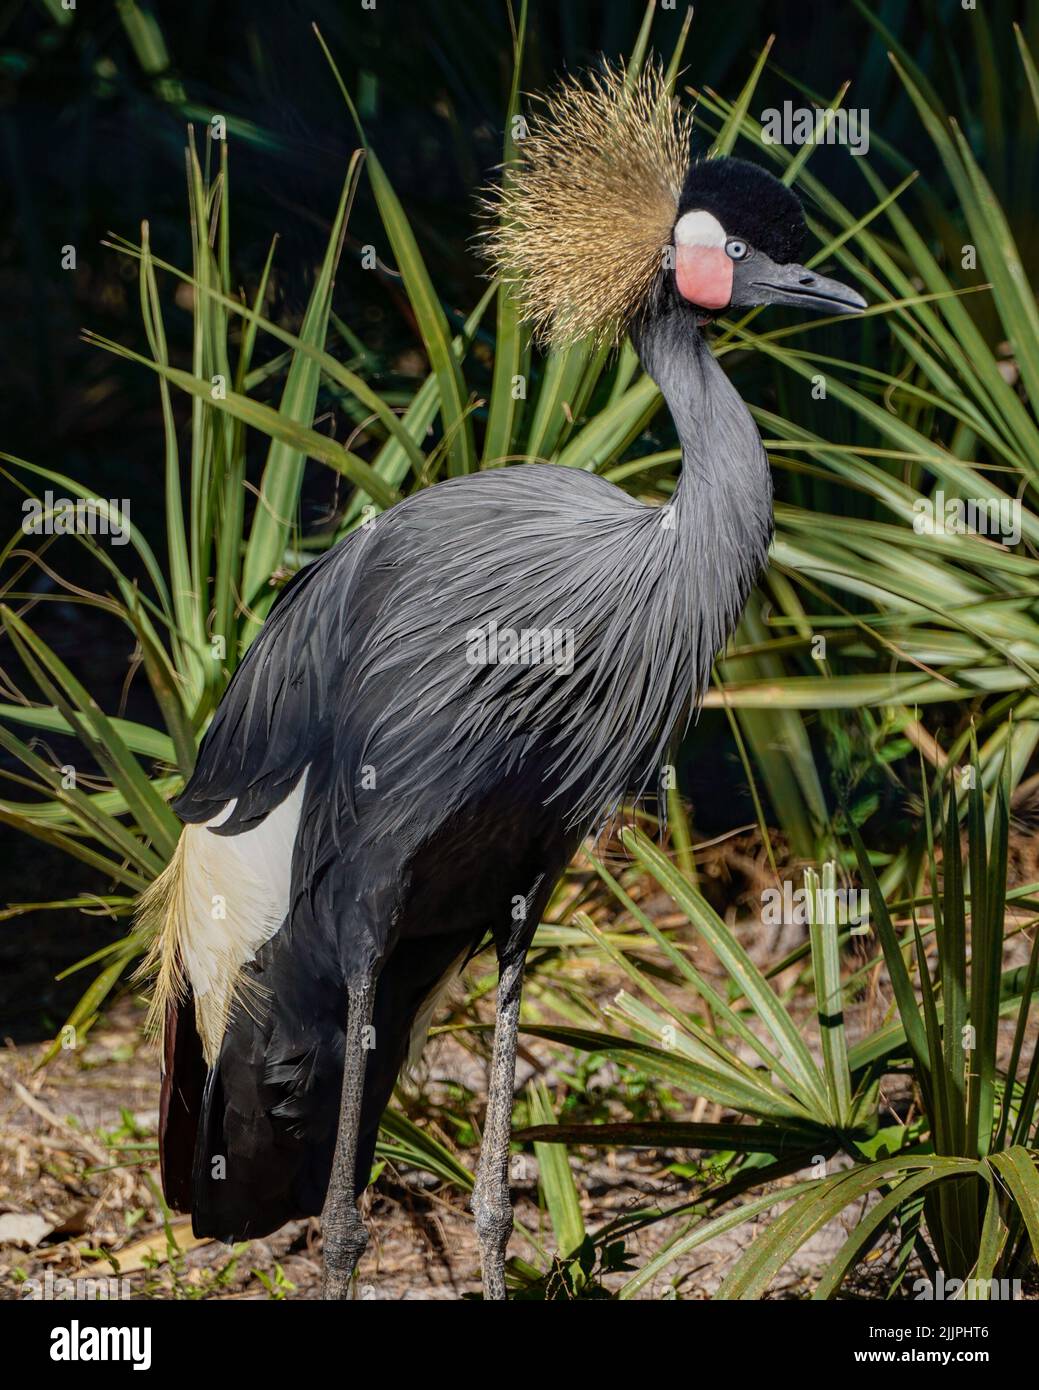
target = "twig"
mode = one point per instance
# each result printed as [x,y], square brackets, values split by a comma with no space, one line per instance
[80,1141]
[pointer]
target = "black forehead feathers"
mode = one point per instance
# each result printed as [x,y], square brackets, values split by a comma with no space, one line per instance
[750,204]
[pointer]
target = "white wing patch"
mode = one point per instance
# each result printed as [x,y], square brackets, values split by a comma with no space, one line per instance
[221,898]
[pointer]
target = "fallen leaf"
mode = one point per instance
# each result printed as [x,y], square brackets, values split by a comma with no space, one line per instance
[149,1250]
[75,1223]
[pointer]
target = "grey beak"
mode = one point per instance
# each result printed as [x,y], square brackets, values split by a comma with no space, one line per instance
[769,283]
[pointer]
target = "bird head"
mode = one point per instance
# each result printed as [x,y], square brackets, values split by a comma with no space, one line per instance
[739,237]
[602,219]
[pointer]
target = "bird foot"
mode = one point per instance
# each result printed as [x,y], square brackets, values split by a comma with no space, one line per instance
[343,1247]
[493,1213]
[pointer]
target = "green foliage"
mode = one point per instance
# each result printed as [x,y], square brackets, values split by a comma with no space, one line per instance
[964,1176]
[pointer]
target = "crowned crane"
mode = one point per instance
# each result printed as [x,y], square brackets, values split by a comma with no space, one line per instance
[378,791]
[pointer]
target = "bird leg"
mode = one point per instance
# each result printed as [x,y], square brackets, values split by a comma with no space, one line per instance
[490,1202]
[343,1232]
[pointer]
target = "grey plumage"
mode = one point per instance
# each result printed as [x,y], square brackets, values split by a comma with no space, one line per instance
[650,595]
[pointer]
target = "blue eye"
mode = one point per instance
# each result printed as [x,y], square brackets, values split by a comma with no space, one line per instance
[736,249]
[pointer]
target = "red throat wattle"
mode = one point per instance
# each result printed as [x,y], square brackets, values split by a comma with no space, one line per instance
[704,275]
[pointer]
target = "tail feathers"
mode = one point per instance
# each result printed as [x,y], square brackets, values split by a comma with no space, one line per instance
[267,1127]
[243,1149]
[180,1104]
[270,1114]
[251,1095]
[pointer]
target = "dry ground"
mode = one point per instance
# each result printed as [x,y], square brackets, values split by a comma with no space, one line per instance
[57,1164]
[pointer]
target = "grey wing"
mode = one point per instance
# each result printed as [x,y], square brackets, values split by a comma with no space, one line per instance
[274,717]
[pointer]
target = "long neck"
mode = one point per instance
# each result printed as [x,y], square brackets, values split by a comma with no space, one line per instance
[723,502]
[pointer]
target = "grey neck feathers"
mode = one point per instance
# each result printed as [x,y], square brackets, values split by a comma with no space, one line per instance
[723,502]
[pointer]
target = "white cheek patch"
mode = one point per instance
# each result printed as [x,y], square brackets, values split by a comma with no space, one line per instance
[699,228]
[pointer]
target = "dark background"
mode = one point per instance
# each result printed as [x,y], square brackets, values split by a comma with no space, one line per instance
[94,109]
